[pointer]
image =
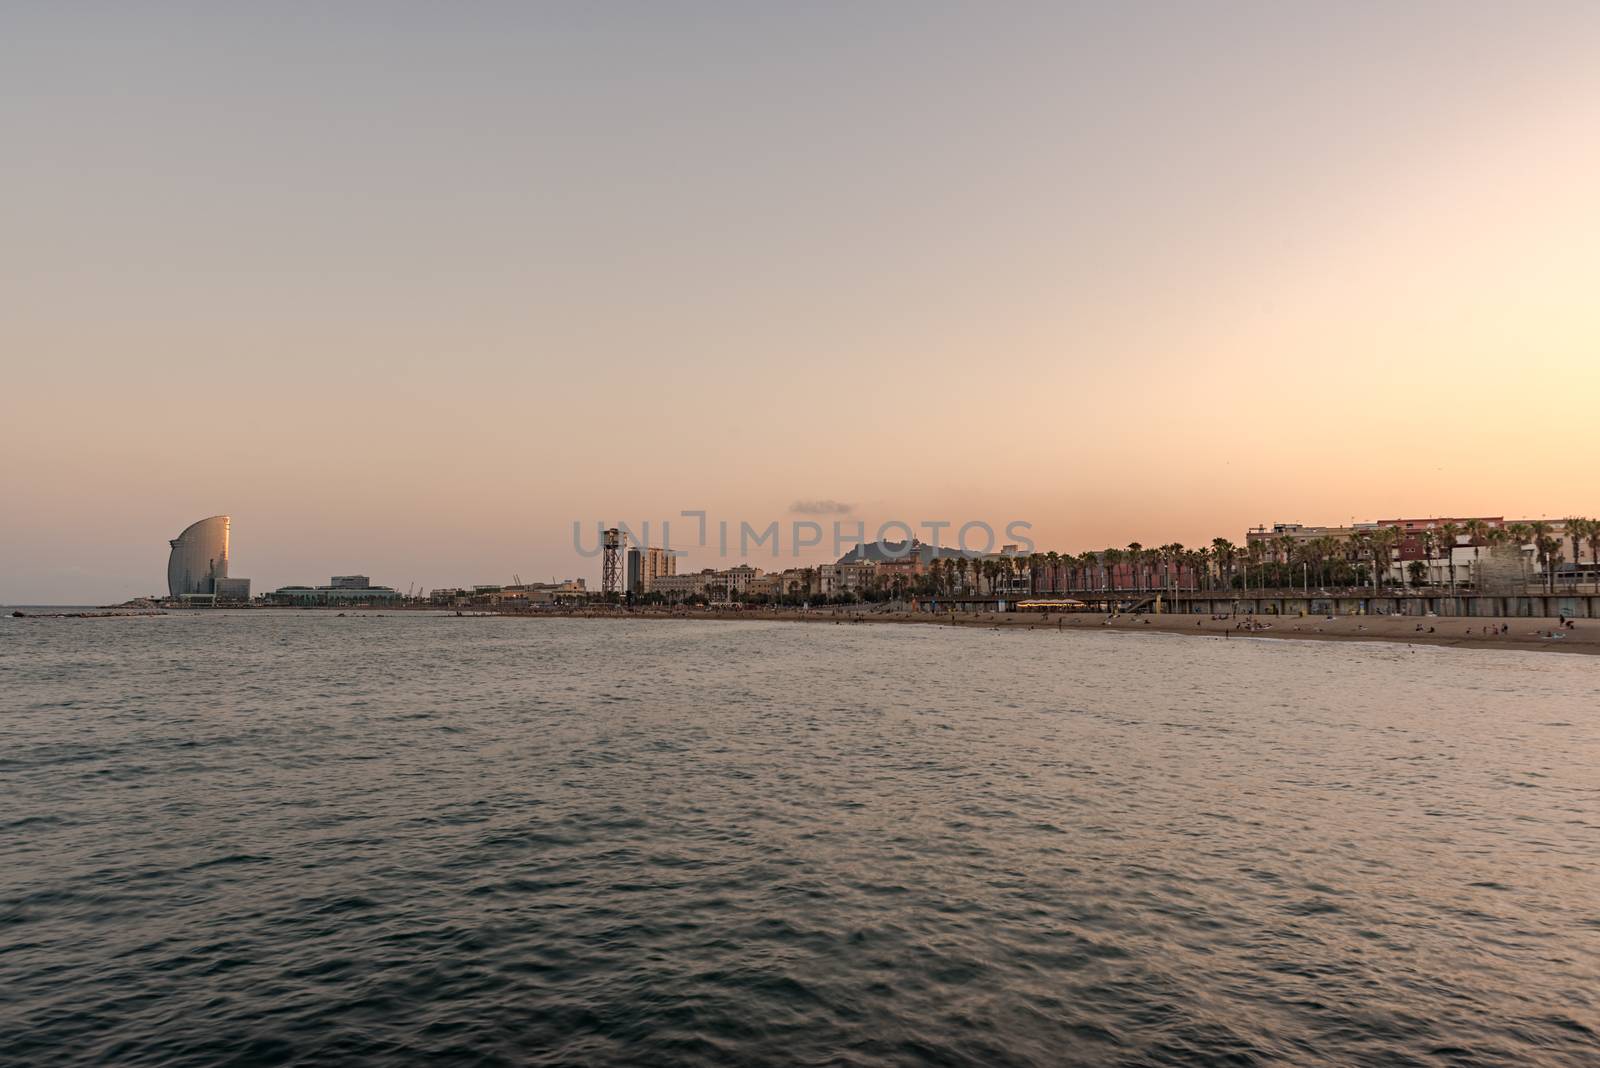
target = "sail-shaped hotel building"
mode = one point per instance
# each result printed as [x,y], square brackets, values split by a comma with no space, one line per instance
[199,558]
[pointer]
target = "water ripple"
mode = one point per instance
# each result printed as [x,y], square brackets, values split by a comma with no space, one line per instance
[263,838]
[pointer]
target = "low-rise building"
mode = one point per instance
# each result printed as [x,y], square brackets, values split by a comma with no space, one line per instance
[677,587]
[835,579]
[335,595]
[718,585]
[233,590]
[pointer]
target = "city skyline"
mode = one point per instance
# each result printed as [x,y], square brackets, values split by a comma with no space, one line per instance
[407,296]
[839,546]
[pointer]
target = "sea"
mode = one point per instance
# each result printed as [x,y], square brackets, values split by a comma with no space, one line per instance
[280,837]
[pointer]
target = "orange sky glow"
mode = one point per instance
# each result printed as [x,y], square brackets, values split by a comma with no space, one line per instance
[408,293]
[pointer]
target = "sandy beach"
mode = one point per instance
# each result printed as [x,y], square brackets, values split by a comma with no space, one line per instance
[1526,634]
[1533,634]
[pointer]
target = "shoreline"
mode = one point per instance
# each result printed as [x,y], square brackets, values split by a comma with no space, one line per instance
[1448,632]
[1525,634]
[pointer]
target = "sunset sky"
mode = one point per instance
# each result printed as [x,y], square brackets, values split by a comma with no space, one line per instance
[407,289]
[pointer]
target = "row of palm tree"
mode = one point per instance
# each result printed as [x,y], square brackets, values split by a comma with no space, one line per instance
[1365,557]
[1263,563]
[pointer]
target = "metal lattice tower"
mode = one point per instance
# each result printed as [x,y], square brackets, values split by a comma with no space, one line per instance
[611,562]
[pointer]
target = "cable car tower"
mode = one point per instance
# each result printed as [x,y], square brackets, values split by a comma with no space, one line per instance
[611,562]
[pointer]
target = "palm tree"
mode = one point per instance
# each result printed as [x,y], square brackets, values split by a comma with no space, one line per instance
[1357,549]
[1109,559]
[1383,542]
[1052,560]
[1171,555]
[1520,534]
[1579,528]
[1283,547]
[1541,548]
[1253,551]
[1325,548]
[1429,540]
[1553,555]
[1351,550]
[1224,551]
[1449,534]
[1478,533]
[1592,531]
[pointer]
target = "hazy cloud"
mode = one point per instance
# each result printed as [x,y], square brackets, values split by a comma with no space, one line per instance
[823,507]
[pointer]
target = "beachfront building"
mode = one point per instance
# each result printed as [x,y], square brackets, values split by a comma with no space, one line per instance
[1443,550]
[1422,551]
[357,590]
[731,582]
[1274,540]
[908,567]
[633,573]
[197,567]
[791,582]
[856,577]
[655,563]
[769,584]
[232,591]
[517,595]
[199,557]
[1011,575]
[678,587]
[717,585]
[1566,557]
